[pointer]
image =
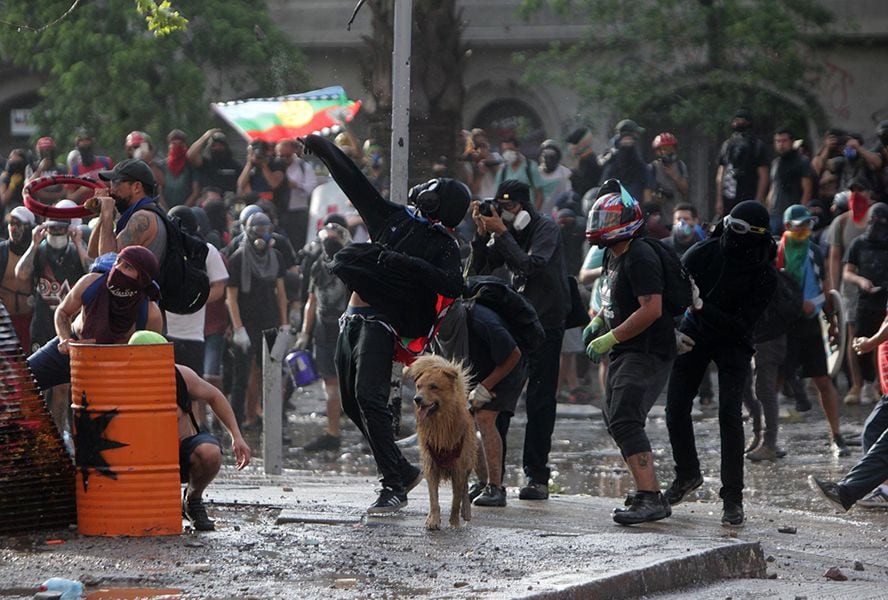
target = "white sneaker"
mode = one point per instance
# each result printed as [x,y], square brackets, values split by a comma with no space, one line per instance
[868,395]
[877,499]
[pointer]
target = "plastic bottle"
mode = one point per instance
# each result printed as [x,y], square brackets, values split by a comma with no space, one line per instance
[70,589]
[69,442]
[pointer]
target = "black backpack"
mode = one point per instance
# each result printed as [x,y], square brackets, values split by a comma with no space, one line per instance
[515,310]
[184,284]
[677,282]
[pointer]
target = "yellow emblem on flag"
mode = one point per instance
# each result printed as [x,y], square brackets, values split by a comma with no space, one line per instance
[294,113]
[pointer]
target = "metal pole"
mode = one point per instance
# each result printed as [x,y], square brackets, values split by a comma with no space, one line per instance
[272,426]
[401,99]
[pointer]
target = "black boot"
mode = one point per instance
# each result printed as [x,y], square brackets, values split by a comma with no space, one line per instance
[646,506]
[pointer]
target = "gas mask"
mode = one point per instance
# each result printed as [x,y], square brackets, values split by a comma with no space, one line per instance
[261,242]
[550,160]
[58,241]
[510,156]
[850,153]
[518,222]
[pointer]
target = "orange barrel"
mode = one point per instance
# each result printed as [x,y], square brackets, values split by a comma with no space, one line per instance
[126,439]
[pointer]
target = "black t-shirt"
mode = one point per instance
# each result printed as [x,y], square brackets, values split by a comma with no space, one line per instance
[490,344]
[637,272]
[259,185]
[258,308]
[55,273]
[786,180]
[222,173]
[871,261]
[741,155]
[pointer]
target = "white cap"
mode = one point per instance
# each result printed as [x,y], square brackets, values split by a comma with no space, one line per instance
[23,214]
[64,204]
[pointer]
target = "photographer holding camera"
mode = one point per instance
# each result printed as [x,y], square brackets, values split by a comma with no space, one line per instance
[263,173]
[510,232]
[481,164]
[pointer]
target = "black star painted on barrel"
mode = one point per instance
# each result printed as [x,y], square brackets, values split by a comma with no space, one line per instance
[90,441]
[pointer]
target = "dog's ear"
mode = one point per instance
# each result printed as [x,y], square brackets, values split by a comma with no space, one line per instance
[450,373]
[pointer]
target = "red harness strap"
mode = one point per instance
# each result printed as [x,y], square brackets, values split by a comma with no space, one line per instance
[445,459]
[408,350]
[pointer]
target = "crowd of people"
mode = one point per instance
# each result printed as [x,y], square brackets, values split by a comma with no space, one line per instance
[521,268]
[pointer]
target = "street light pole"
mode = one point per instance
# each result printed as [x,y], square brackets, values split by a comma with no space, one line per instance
[400,146]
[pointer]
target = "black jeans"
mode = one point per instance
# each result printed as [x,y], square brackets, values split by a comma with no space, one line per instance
[364,354]
[872,469]
[687,372]
[542,384]
[242,363]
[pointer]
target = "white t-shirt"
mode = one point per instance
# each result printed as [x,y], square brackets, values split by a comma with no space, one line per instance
[327,199]
[191,327]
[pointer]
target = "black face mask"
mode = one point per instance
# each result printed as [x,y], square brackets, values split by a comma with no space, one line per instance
[219,155]
[15,166]
[331,246]
[86,155]
[744,250]
[740,127]
[877,228]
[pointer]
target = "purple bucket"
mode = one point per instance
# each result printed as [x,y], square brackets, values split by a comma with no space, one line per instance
[301,367]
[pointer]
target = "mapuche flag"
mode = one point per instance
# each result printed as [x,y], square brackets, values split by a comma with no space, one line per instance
[295,115]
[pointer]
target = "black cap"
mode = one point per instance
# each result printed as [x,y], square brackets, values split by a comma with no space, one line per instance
[743,113]
[881,127]
[131,169]
[859,183]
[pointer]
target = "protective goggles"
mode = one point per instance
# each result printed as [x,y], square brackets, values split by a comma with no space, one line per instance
[742,227]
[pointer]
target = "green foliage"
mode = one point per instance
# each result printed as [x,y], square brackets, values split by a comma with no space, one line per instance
[691,61]
[161,18]
[104,71]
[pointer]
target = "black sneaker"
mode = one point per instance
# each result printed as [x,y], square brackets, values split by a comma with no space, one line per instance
[732,514]
[534,491]
[411,478]
[839,447]
[323,443]
[493,495]
[195,511]
[645,507]
[830,491]
[389,501]
[680,489]
[476,489]
[802,404]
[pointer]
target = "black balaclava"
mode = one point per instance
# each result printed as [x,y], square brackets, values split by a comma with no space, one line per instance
[877,224]
[187,220]
[444,200]
[747,249]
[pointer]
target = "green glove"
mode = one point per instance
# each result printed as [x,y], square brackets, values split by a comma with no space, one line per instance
[593,355]
[591,329]
[602,344]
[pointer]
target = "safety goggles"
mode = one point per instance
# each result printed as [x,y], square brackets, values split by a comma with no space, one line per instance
[742,227]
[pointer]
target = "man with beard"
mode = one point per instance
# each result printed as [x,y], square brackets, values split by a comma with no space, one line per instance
[625,163]
[132,190]
[101,308]
[736,279]
[398,284]
[217,167]
[792,179]
[742,166]
[179,176]
[17,295]
[529,246]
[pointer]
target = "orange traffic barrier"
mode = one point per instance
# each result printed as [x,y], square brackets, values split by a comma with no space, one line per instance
[883,367]
[126,439]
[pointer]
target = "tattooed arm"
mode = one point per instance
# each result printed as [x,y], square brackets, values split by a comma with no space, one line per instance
[139,231]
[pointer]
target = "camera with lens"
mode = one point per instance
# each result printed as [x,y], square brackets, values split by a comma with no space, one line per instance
[260,149]
[488,207]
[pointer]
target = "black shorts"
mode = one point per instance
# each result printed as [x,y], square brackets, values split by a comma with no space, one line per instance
[804,350]
[325,334]
[187,446]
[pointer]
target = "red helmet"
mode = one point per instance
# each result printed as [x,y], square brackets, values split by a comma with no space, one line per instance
[615,217]
[664,139]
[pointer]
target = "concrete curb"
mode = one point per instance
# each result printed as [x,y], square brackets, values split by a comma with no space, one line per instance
[743,560]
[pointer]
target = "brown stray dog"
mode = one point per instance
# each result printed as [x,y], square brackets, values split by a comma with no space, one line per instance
[446,433]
